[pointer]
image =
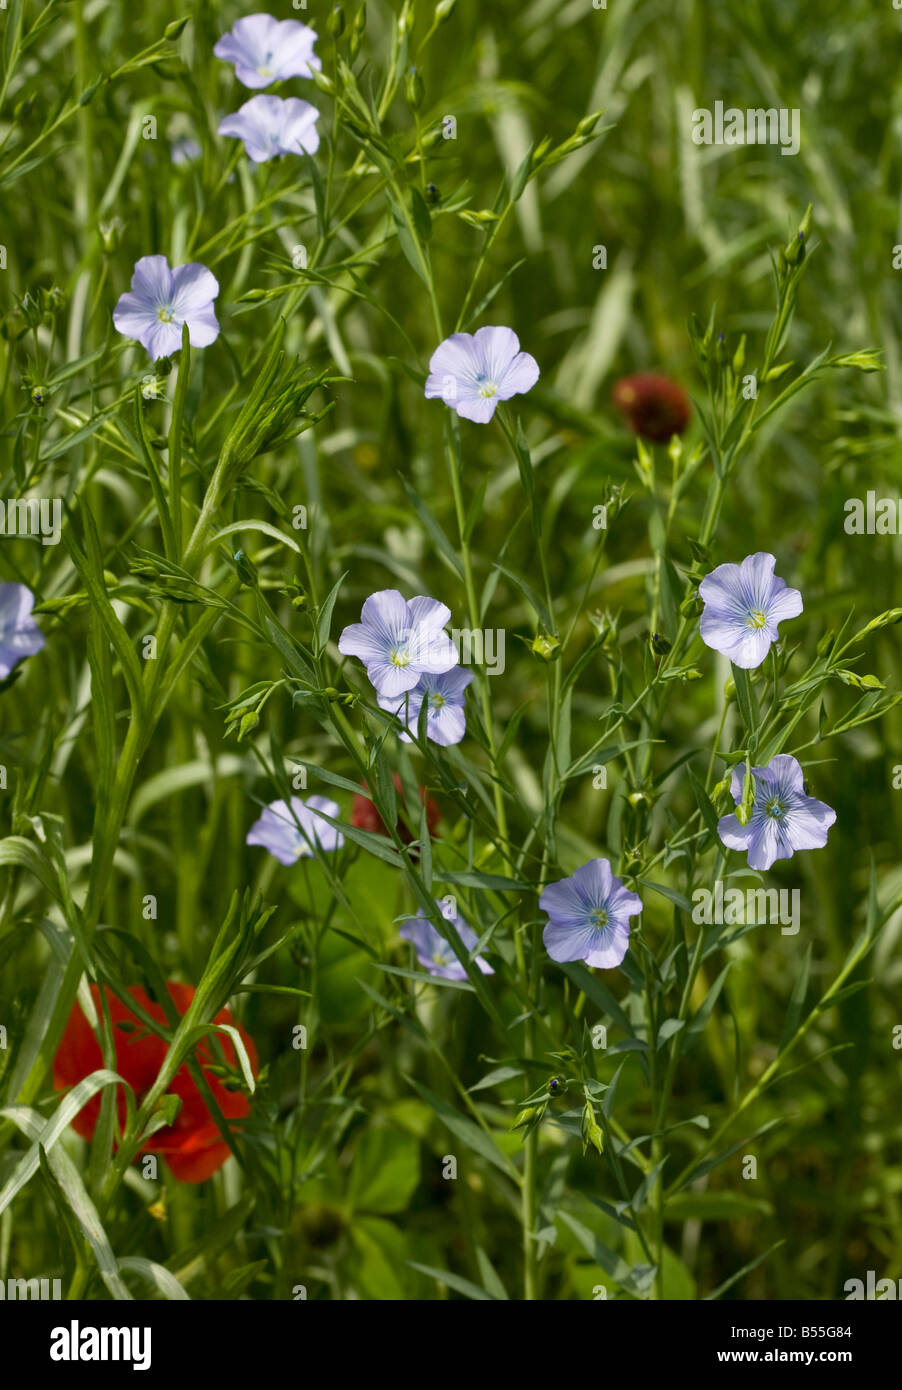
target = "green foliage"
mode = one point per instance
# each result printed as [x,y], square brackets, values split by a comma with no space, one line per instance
[227,511]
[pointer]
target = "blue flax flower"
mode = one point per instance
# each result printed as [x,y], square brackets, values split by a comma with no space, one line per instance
[743,605]
[589,916]
[265,50]
[398,642]
[783,818]
[472,372]
[270,126]
[161,300]
[20,635]
[446,722]
[435,954]
[290,832]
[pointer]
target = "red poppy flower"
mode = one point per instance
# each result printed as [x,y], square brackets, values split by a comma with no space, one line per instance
[365,816]
[652,406]
[192,1146]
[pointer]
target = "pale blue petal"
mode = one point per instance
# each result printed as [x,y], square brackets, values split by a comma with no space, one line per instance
[478,409]
[520,377]
[194,288]
[388,614]
[733,834]
[152,281]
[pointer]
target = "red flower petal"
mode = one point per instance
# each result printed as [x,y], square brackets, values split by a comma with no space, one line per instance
[192,1146]
[365,816]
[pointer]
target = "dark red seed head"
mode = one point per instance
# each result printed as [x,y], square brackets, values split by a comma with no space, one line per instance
[653,406]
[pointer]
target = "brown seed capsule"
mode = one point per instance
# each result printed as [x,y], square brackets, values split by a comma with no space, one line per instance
[652,406]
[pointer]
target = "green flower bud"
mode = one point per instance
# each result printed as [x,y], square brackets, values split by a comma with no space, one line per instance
[53,300]
[644,465]
[358,28]
[246,569]
[848,677]
[545,646]
[324,83]
[90,93]
[111,233]
[249,722]
[866,361]
[592,1134]
[595,1136]
[692,606]
[794,251]
[335,24]
[746,807]
[588,123]
[169,1105]
[31,309]
[887,619]
[415,90]
[482,218]
[675,450]
[681,673]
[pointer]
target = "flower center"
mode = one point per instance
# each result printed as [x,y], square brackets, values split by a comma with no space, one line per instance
[165,315]
[757,618]
[435,699]
[400,657]
[488,389]
[599,917]
[775,808]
